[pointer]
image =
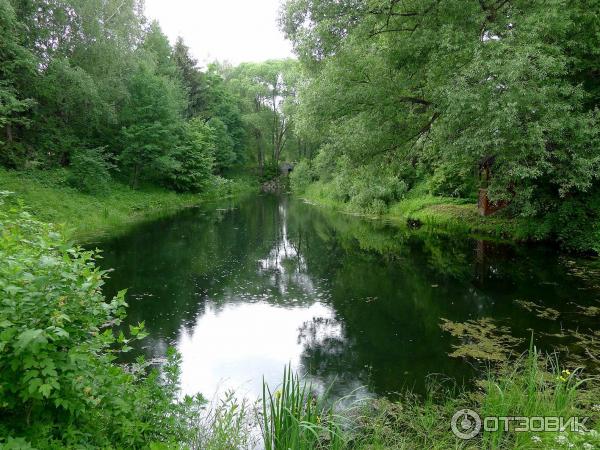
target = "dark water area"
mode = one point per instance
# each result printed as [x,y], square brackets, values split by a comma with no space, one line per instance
[245,288]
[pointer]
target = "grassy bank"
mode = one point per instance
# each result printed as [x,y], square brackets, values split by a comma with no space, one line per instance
[85,217]
[438,213]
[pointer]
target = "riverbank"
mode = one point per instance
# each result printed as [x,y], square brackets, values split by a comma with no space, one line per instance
[84,217]
[420,210]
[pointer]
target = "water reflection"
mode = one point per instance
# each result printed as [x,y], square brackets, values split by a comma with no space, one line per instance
[243,290]
[235,346]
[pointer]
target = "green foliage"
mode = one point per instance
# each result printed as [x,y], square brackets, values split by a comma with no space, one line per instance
[87,217]
[151,117]
[223,144]
[266,94]
[71,112]
[193,159]
[194,81]
[76,76]
[576,223]
[90,171]
[270,172]
[533,385]
[228,424]
[510,83]
[16,66]
[294,418]
[302,176]
[59,385]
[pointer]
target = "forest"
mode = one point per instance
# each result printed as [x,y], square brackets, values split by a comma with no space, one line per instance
[95,88]
[453,132]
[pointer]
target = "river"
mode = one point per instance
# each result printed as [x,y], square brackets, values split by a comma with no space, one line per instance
[243,288]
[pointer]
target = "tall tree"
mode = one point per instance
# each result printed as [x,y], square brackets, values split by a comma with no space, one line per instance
[267,91]
[17,66]
[194,80]
[151,119]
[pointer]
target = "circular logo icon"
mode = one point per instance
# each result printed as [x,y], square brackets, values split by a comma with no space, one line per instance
[466,424]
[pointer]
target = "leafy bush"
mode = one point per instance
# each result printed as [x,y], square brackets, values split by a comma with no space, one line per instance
[576,223]
[15,155]
[453,180]
[302,176]
[270,172]
[369,189]
[90,170]
[59,385]
[224,145]
[189,167]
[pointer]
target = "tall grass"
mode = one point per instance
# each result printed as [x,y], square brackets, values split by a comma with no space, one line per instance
[228,423]
[535,386]
[294,417]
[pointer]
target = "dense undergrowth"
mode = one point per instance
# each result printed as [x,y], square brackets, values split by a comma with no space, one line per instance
[59,384]
[61,387]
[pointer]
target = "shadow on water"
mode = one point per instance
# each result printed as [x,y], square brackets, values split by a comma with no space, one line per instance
[242,290]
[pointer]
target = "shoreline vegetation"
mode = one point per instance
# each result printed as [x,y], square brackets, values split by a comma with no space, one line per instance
[411,107]
[400,110]
[423,211]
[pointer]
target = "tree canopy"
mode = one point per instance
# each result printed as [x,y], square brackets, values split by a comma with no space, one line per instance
[423,93]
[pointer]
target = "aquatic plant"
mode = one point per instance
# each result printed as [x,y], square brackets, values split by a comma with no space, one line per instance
[481,339]
[294,417]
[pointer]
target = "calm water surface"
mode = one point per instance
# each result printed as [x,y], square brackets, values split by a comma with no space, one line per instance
[243,290]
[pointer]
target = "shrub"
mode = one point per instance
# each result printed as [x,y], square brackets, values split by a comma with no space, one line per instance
[270,172]
[59,384]
[576,223]
[189,167]
[302,176]
[90,170]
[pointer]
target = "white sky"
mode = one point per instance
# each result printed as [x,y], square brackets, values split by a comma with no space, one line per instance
[226,30]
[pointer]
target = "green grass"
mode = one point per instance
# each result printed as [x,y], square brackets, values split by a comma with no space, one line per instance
[293,416]
[85,217]
[226,424]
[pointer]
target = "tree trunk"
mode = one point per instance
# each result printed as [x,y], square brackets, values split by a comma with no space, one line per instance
[9,134]
[261,158]
[135,176]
